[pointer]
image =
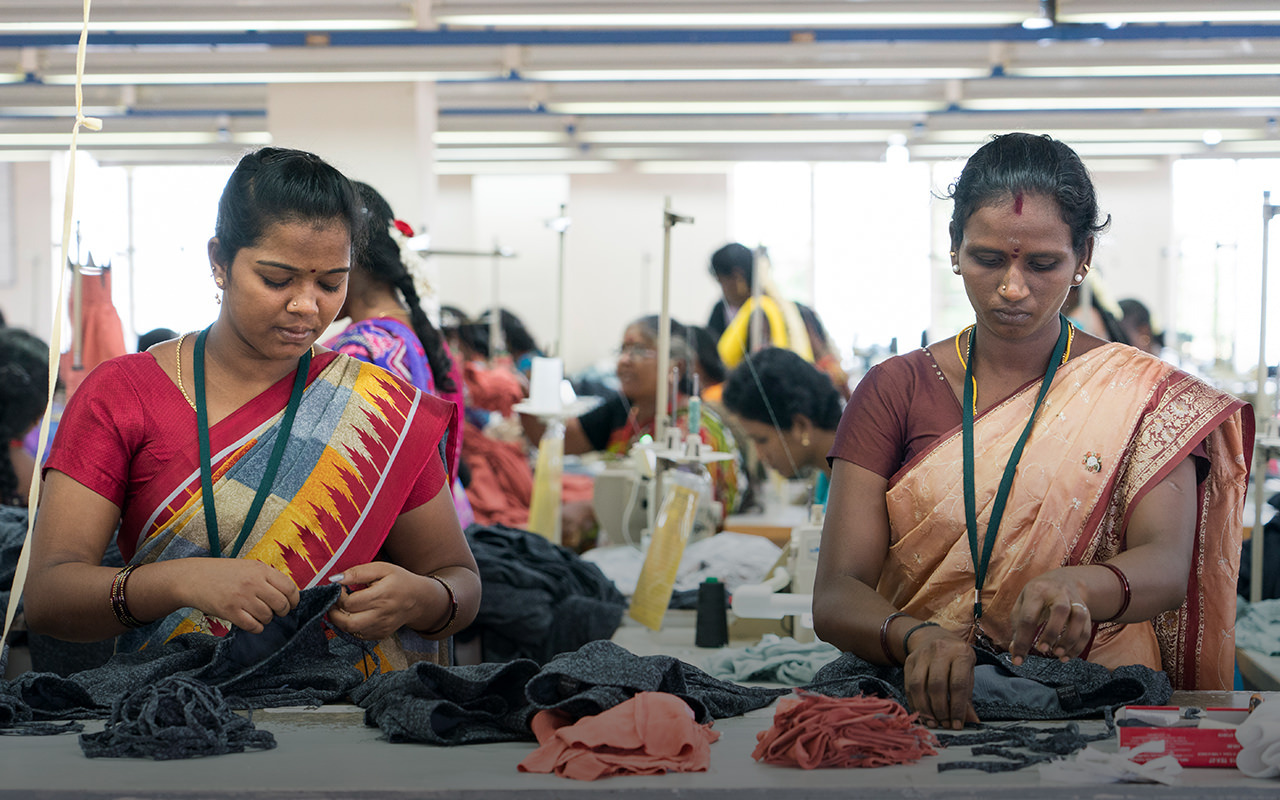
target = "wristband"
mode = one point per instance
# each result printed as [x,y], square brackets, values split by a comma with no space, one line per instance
[119,606]
[884,638]
[907,636]
[1125,590]
[453,607]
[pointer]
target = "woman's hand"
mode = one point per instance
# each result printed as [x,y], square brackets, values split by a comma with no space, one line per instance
[938,677]
[242,591]
[1050,618]
[379,597]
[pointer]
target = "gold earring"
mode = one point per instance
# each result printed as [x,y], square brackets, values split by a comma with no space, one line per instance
[804,441]
[219,282]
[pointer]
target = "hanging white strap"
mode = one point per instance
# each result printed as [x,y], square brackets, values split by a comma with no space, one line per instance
[55,338]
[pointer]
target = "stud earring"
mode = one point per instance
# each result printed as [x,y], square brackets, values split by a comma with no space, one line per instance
[219,282]
[1076,280]
[955,268]
[804,442]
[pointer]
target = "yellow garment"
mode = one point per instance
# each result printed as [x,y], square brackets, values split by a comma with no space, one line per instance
[785,330]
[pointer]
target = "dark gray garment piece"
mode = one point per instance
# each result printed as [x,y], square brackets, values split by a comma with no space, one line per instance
[601,675]
[1038,689]
[539,599]
[291,663]
[432,704]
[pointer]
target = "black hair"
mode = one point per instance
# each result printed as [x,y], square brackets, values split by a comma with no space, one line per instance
[273,185]
[1032,164]
[155,336]
[379,258]
[682,349]
[24,376]
[734,259]
[708,355]
[792,385]
[514,333]
[1136,316]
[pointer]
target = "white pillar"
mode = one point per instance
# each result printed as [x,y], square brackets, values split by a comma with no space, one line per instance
[378,133]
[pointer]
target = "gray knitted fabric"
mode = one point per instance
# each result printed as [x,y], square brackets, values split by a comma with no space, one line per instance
[1038,689]
[601,675]
[177,717]
[432,704]
[291,663]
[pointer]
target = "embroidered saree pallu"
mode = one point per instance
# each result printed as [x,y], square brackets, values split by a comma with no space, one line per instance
[1113,424]
[360,443]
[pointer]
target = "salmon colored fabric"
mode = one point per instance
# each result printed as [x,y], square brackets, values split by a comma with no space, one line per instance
[812,731]
[501,483]
[1114,423]
[650,734]
[102,335]
[491,389]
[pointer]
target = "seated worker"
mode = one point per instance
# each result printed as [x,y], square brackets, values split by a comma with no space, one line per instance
[250,463]
[517,340]
[734,267]
[789,410]
[24,380]
[1139,328]
[388,324]
[621,421]
[1113,536]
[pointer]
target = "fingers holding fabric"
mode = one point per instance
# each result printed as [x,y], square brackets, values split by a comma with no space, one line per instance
[939,679]
[1050,619]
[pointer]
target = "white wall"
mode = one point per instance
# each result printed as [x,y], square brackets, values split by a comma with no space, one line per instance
[1134,254]
[27,299]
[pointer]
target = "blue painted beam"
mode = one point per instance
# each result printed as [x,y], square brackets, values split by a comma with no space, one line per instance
[446,37]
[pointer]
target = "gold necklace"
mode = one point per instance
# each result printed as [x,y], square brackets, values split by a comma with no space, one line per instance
[182,388]
[1066,353]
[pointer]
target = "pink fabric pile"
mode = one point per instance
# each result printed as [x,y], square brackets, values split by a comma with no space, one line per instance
[812,730]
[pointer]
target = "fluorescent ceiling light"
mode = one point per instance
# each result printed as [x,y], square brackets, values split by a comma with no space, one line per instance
[779,19]
[1205,15]
[525,168]
[1114,103]
[209,25]
[1105,134]
[447,138]
[752,107]
[198,78]
[772,74]
[505,153]
[737,136]
[92,139]
[1143,70]
[59,111]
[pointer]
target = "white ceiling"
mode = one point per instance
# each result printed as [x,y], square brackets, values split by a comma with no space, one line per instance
[699,81]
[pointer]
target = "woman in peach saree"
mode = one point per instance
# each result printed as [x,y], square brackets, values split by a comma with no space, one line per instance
[1024,486]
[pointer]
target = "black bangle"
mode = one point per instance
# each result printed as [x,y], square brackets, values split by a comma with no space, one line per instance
[907,636]
[453,607]
[884,638]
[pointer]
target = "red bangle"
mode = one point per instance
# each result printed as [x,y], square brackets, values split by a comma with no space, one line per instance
[884,638]
[119,606]
[1125,590]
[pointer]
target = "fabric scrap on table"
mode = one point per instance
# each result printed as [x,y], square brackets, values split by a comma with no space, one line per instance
[602,674]
[432,704]
[813,731]
[1259,738]
[774,659]
[1019,746]
[1258,626]
[1038,689]
[540,599]
[652,733]
[290,663]
[176,717]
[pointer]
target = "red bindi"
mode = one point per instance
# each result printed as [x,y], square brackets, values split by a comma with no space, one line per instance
[1017,204]
[313,272]
[1017,250]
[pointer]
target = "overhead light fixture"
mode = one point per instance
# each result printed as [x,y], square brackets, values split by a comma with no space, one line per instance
[1115,103]
[199,78]
[1047,17]
[1207,14]
[1183,70]
[779,19]
[751,107]
[135,139]
[208,25]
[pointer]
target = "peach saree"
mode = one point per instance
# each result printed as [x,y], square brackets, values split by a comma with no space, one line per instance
[1114,423]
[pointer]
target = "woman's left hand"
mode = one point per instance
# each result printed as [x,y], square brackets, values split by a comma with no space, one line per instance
[378,598]
[1050,618]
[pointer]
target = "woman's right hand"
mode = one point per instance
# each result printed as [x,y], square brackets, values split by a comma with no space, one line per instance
[938,677]
[245,592]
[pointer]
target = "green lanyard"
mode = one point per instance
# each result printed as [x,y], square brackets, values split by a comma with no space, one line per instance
[206,459]
[1002,495]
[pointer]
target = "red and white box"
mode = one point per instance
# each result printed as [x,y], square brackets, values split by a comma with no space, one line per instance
[1206,740]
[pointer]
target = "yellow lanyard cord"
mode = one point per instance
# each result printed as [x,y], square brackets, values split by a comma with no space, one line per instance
[1071,337]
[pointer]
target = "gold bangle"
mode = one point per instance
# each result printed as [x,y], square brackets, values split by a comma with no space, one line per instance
[119,606]
[453,607]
